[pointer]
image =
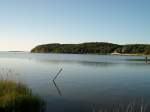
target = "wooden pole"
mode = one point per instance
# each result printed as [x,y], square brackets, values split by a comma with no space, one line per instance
[146,59]
[57,74]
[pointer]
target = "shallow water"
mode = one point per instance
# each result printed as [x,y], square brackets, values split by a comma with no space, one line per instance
[86,82]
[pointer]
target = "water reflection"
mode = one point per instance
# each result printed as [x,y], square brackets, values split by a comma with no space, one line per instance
[87,79]
[137,59]
[57,88]
[84,63]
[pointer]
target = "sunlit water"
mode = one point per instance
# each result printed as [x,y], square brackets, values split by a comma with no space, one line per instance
[86,82]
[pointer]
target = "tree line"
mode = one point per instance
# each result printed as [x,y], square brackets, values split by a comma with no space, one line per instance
[92,48]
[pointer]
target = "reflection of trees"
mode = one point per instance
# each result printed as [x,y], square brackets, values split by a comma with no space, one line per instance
[84,63]
[128,62]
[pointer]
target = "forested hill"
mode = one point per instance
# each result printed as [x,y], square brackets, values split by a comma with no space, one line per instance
[92,48]
[84,48]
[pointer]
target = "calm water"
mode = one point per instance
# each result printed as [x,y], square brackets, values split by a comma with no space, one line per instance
[86,81]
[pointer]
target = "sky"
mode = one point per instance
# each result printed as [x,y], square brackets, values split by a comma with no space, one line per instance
[27,23]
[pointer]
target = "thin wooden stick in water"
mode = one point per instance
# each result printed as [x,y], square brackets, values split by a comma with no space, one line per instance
[58,90]
[57,74]
[146,59]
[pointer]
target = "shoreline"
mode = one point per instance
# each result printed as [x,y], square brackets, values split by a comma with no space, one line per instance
[114,54]
[119,54]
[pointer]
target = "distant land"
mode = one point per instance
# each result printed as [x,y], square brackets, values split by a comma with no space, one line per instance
[93,48]
[15,51]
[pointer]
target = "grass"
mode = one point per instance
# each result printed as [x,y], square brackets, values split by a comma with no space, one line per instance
[17,97]
[131,107]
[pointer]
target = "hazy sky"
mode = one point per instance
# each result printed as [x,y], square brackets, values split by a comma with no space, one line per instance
[26,23]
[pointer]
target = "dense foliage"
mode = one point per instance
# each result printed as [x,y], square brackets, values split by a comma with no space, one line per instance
[92,48]
[134,49]
[83,48]
[16,97]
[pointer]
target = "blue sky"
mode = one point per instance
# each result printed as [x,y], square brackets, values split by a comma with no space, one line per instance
[27,23]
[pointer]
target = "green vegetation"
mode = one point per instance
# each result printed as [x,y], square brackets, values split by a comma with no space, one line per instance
[17,97]
[93,48]
[134,49]
[84,48]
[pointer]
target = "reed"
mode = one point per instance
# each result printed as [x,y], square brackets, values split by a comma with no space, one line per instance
[17,97]
[131,107]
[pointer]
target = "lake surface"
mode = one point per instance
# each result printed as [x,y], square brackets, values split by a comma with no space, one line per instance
[86,83]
